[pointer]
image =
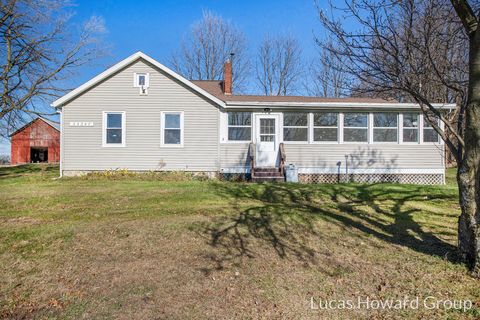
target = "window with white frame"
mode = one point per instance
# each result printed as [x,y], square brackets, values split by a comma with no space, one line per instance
[172,128]
[355,127]
[141,80]
[114,128]
[295,126]
[410,127]
[239,126]
[325,126]
[385,127]
[429,133]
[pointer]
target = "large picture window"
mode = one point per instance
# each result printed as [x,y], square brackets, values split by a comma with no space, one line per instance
[410,127]
[355,127]
[172,128]
[295,126]
[429,133]
[385,127]
[114,129]
[325,126]
[239,126]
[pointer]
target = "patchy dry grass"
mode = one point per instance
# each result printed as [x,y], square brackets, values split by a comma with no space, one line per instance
[146,248]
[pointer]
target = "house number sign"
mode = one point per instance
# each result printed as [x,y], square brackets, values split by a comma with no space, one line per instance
[81,124]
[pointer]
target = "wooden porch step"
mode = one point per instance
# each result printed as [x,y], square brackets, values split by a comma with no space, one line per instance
[267,174]
[267,169]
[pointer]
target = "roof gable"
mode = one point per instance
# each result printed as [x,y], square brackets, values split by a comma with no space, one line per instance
[124,63]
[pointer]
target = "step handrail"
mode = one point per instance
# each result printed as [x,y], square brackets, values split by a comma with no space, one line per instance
[252,158]
[283,158]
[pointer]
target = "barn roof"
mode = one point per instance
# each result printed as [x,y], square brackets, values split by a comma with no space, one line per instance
[51,123]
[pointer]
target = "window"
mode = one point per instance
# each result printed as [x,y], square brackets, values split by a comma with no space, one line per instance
[429,134]
[385,127]
[295,126]
[239,126]
[410,127]
[355,127]
[325,126]
[114,129]
[267,130]
[141,80]
[172,129]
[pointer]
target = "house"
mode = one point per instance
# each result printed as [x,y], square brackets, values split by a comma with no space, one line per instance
[37,141]
[139,115]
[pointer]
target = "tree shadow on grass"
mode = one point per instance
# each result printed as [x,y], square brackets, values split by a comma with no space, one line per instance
[283,217]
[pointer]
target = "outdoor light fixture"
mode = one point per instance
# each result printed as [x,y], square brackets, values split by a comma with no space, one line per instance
[267,110]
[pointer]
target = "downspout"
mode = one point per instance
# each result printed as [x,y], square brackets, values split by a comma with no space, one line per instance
[219,137]
[347,180]
[60,111]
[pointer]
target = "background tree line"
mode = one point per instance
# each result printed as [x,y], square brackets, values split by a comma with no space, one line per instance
[276,67]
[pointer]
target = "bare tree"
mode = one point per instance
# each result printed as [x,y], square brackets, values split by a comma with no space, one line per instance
[424,51]
[37,52]
[279,65]
[207,46]
[326,76]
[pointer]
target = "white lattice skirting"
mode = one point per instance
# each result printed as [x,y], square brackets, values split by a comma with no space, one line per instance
[427,179]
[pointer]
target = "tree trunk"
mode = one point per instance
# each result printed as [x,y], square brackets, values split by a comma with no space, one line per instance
[468,175]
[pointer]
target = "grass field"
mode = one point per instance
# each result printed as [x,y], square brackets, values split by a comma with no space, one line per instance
[155,247]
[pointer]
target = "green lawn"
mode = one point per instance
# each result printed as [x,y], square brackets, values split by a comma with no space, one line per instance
[169,246]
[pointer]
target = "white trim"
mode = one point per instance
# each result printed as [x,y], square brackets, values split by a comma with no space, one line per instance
[400,128]
[162,128]
[256,118]
[334,170]
[298,127]
[368,128]
[340,127]
[385,128]
[313,127]
[104,130]
[411,128]
[135,79]
[223,127]
[122,64]
[439,139]
[137,85]
[345,105]
[224,138]
[235,170]
[61,142]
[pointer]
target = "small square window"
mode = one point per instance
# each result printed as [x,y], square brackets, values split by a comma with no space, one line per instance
[141,81]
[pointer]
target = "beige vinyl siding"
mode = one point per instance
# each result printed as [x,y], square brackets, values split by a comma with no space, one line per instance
[234,155]
[366,156]
[361,156]
[83,145]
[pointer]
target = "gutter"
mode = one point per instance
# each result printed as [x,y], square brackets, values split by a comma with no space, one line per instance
[335,105]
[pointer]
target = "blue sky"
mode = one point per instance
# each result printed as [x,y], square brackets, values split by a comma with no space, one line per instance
[156,27]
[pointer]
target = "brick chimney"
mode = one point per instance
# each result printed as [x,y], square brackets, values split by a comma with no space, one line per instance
[227,77]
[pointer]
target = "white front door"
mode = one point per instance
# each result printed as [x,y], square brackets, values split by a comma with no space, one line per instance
[266,140]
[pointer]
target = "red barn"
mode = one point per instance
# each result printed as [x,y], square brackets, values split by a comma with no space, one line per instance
[37,141]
